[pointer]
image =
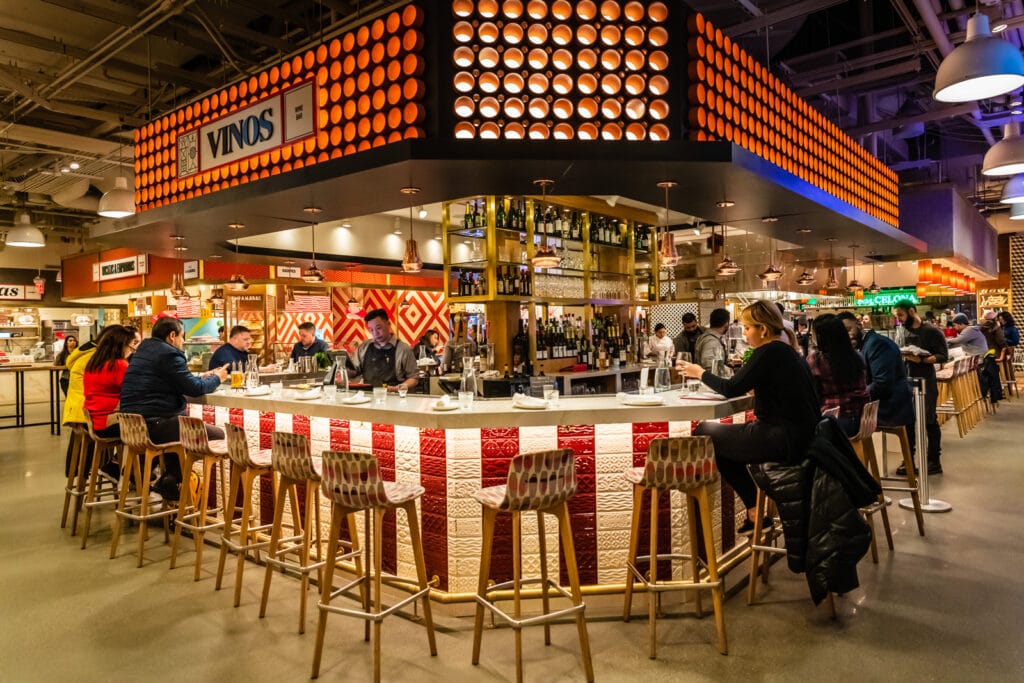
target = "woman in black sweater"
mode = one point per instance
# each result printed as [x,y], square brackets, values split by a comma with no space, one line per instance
[785,404]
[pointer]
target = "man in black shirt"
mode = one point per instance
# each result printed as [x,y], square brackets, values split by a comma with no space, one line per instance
[930,339]
[686,342]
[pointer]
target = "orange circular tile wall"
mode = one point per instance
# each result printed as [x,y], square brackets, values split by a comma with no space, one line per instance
[368,92]
[561,70]
[734,98]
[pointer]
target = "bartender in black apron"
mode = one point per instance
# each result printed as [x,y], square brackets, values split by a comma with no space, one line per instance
[384,359]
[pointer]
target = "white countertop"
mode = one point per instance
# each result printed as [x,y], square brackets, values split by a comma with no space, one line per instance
[416,410]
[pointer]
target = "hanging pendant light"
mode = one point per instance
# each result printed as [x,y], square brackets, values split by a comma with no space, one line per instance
[831,282]
[178,290]
[805,279]
[545,256]
[853,285]
[1006,157]
[980,68]
[237,281]
[668,257]
[873,288]
[24,234]
[216,296]
[726,266]
[411,262]
[771,273]
[1013,190]
[118,202]
[312,274]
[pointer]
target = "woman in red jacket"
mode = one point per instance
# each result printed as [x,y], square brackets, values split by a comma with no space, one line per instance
[103,376]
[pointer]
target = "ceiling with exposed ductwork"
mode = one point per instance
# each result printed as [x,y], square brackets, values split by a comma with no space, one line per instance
[78,76]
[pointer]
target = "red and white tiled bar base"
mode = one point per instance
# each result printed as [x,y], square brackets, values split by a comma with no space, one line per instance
[453,454]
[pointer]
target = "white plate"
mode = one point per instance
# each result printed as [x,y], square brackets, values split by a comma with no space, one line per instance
[703,396]
[644,401]
[531,406]
[442,407]
[258,392]
[354,401]
[308,396]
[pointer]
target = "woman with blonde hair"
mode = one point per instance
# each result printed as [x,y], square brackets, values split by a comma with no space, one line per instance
[785,403]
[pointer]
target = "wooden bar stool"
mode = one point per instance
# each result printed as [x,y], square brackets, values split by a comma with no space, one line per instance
[685,464]
[541,482]
[101,491]
[196,515]
[294,465]
[864,447]
[760,539]
[352,482]
[74,489]
[138,445]
[246,470]
[900,432]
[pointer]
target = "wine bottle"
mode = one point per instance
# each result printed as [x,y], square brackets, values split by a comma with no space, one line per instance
[500,217]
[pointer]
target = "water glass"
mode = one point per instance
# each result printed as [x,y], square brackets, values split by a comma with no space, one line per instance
[662,379]
[379,394]
[330,393]
[276,389]
[693,386]
[402,391]
[551,396]
[718,367]
[466,400]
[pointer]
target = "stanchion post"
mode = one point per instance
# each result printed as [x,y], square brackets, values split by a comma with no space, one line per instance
[928,504]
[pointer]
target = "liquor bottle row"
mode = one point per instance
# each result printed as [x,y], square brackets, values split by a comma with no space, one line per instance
[472,284]
[566,337]
[514,281]
[556,222]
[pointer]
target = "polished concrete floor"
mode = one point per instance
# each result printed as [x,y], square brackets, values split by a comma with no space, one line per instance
[946,607]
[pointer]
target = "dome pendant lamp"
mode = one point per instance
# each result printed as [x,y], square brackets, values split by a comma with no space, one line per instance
[981,68]
[668,257]
[1013,190]
[118,202]
[312,274]
[24,234]
[1006,157]
[411,262]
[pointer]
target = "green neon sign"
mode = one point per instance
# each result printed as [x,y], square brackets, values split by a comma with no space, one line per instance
[888,297]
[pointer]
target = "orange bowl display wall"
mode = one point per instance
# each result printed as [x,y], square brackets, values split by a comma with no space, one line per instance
[732,97]
[367,90]
[560,70]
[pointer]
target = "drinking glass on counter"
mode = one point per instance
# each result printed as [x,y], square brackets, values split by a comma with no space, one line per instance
[379,394]
[330,392]
[402,391]
[693,386]
[276,389]
[341,381]
[237,376]
[662,379]
[466,400]
[551,396]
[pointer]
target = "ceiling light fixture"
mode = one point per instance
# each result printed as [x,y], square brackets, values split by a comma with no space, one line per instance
[312,274]
[853,285]
[1013,190]
[437,232]
[545,256]
[770,219]
[421,211]
[980,68]
[873,288]
[237,281]
[1017,212]
[118,202]
[831,282]
[725,204]
[24,234]
[411,262]
[1006,157]
[804,231]
[178,290]
[668,257]
[771,273]
[805,279]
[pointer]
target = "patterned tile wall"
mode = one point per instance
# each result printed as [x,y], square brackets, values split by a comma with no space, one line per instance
[1017,276]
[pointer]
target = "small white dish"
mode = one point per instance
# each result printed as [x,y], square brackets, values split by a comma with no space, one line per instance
[311,395]
[356,400]
[643,400]
[444,407]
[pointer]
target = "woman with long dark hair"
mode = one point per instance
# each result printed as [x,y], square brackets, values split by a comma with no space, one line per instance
[839,372]
[104,374]
[70,344]
[1010,331]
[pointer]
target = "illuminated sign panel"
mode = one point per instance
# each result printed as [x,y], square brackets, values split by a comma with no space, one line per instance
[277,120]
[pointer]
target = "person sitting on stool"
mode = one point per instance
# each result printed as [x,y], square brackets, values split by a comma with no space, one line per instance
[235,351]
[308,344]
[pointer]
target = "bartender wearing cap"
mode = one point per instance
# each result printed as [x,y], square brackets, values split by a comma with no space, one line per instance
[383,359]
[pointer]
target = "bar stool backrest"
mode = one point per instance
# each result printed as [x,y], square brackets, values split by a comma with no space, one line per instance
[134,432]
[868,421]
[238,445]
[193,435]
[353,480]
[291,456]
[680,463]
[540,480]
[92,432]
[831,412]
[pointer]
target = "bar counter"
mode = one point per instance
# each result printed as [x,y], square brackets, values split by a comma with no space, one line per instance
[452,454]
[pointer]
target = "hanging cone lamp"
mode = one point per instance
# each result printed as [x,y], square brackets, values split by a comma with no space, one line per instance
[668,257]
[411,262]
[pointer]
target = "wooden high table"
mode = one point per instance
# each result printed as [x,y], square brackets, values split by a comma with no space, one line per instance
[453,454]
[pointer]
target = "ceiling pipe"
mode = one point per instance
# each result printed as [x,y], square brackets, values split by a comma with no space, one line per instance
[945,47]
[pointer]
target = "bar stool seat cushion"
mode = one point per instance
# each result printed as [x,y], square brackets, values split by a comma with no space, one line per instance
[399,492]
[354,482]
[492,496]
[261,458]
[219,447]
